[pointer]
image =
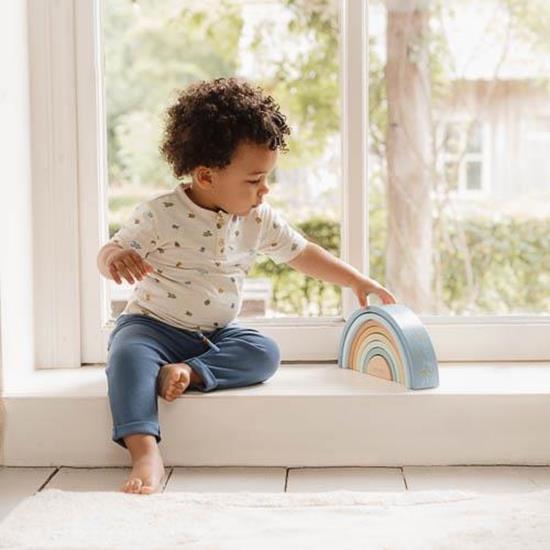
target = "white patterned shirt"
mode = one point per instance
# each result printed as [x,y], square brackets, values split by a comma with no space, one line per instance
[200,257]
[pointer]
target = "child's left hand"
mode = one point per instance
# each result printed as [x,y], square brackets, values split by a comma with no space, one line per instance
[362,286]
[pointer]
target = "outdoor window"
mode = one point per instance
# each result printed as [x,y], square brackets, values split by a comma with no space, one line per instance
[418,155]
[291,49]
[459,171]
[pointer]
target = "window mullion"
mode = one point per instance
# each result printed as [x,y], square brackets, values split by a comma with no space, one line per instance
[354,109]
[91,178]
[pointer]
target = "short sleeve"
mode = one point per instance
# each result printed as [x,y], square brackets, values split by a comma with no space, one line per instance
[139,232]
[279,240]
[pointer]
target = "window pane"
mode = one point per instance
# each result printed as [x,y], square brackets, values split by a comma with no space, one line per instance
[154,48]
[459,92]
[473,175]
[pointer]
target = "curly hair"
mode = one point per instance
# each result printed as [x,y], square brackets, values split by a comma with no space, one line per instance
[211,118]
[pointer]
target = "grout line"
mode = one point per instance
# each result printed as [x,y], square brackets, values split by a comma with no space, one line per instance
[332,466]
[167,479]
[404,478]
[48,479]
[328,467]
[287,470]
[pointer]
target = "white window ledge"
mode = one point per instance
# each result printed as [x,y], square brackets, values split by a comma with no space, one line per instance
[305,415]
[313,379]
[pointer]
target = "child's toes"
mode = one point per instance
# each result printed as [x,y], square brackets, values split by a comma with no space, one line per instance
[146,490]
[133,485]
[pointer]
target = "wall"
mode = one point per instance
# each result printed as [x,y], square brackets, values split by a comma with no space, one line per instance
[16,297]
[508,106]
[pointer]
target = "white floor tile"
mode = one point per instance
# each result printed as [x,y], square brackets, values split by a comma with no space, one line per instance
[350,479]
[92,479]
[227,479]
[539,476]
[491,479]
[17,484]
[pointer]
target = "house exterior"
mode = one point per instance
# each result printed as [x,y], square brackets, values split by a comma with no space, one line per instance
[491,134]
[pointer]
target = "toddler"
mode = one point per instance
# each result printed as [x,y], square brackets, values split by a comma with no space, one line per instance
[189,251]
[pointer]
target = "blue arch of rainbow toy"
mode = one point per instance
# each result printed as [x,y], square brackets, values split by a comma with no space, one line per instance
[411,339]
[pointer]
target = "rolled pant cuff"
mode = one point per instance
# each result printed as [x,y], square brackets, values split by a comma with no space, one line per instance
[209,380]
[140,427]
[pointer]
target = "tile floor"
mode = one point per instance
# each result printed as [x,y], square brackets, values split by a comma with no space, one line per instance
[18,483]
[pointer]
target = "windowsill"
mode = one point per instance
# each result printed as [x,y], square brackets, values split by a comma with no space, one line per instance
[489,378]
[305,415]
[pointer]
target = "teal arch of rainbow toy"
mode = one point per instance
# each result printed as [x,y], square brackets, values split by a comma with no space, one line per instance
[390,342]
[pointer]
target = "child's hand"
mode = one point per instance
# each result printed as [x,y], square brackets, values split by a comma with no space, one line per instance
[362,286]
[127,263]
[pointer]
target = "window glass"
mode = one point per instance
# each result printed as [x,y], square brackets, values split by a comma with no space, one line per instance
[459,103]
[291,49]
[473,175]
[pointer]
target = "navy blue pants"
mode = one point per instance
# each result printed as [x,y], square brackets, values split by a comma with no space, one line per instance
[140,345]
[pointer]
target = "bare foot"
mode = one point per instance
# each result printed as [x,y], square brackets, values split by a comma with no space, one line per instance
[173,379]
[146,475]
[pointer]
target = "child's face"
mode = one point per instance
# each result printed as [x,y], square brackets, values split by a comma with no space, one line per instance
[242,184]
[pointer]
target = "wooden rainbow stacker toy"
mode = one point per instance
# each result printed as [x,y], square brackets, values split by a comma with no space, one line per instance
[390,342]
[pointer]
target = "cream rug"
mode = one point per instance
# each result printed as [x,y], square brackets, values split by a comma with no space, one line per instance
[329,520]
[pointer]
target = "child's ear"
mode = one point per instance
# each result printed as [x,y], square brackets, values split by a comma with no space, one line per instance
[204,177]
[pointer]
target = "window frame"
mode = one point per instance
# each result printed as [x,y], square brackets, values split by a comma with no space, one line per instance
[69,138]
[530,137]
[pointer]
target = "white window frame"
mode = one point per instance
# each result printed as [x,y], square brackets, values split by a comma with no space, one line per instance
[67,100]
[529,136]
[483,157]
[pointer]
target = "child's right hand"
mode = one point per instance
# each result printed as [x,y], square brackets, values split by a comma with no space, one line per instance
[128,264]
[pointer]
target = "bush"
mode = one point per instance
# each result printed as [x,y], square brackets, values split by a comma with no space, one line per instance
[293,292]
[509,265]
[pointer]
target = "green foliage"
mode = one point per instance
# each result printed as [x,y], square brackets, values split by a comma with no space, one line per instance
[293,292]
[510,262]
[151,52]
[308,86]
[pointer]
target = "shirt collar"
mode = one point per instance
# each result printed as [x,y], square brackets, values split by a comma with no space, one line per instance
[214,215]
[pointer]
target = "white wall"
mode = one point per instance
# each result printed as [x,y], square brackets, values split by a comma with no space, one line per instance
[16,306]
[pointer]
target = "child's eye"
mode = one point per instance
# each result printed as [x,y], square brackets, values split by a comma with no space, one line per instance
[255,181]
